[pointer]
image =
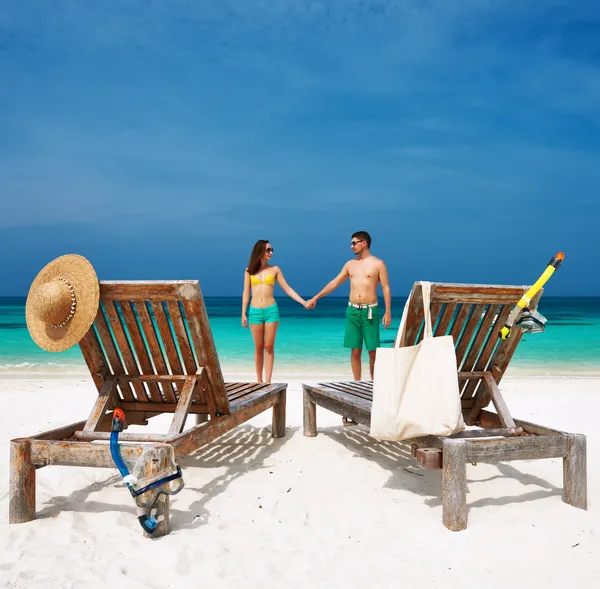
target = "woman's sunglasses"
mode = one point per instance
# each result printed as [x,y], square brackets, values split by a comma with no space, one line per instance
[269,250]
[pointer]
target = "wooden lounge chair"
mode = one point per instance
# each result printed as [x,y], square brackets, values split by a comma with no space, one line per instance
[473,315]
[150,351]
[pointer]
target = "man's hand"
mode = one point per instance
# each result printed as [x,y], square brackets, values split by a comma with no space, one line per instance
[244,321]
[312,303]
[387,319]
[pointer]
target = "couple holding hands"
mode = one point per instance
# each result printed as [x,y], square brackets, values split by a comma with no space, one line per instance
[365,272]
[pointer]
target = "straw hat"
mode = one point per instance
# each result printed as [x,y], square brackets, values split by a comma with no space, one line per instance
[62,303]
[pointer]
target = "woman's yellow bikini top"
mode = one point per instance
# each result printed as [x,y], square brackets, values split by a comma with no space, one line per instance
[269,279]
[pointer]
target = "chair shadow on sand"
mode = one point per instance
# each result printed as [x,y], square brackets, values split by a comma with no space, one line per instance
[240,451]
[396,458]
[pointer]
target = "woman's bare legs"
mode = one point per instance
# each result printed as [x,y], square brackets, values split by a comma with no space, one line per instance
[258,334]
[270,333]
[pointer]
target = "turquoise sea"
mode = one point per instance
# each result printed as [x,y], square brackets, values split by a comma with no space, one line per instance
[309,341]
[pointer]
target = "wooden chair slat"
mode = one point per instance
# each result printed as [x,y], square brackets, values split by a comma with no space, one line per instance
[166,337]
[206,352]
[248,389]
[112,355]
[483,330]
[126,352]
[488,348]
[158,358]
[350,392]
[140,349]
[460,322]
[467,336]
[444,322]
[177,321]
[94,358]
[414,318]
[132,290]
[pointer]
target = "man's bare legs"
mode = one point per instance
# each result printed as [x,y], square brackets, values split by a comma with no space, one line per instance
[258,334]
[355,362]
[372,362]
[270,333]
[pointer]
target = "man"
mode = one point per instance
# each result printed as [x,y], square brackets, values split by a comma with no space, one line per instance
[362,314]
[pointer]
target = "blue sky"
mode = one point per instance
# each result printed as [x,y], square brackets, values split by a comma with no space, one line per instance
[161,139]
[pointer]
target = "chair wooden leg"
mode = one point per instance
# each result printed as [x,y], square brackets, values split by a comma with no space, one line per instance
[310,416]
[22,483]
[575,472]
[278,422]
[454,484]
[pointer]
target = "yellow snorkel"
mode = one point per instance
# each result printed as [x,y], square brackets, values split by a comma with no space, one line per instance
[531,321]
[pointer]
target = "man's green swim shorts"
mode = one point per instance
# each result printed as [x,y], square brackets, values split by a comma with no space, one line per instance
[362,323]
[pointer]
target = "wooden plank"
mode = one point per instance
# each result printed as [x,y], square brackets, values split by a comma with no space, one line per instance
[94,357]
[337,386]
[126,352]
[499,403]
[21,499]
[156,378]
[196,408]
[133,290]
[488,433]
[325,391]
[341,407]
[454,484]
[575,472]
[519,448]
[442,326]
[488,348]
[167,338]
[488,419]
[476,293]
[364,387]
[106,400]
[309,421]
[112,355]
[467,336]
[245,390]
[182,339]
[482,333]
[459,323]
[250,399]
[60,433]
[206,352]
[183,407]
[158,359]
[435,309]
[68,453]
[202,434]
[140,350]
[123,437]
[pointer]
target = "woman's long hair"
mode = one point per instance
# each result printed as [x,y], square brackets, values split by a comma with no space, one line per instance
[255,257]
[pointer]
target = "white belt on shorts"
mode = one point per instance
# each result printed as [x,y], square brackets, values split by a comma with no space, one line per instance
[367,306]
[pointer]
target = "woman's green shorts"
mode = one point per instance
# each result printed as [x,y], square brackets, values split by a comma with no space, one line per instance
[259,316]
[360,328]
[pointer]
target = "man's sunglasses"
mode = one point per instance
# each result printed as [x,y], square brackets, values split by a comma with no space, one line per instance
[269,250]
[353,243]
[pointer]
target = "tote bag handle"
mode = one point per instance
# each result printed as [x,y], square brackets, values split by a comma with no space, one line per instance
[426,291]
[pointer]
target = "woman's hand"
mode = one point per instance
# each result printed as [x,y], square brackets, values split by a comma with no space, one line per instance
[244,321]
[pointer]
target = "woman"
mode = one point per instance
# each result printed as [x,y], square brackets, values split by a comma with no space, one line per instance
[264,313]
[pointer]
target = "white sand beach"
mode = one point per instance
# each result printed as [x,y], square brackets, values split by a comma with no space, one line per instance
[338,510]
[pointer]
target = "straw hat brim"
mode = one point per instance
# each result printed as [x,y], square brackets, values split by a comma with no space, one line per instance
[81,274]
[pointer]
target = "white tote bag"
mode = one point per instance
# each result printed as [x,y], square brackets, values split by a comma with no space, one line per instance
[415,388]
